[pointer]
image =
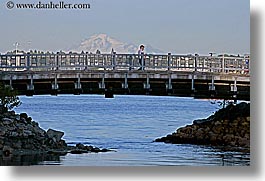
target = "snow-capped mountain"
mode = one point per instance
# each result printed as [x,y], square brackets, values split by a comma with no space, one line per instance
[105,44]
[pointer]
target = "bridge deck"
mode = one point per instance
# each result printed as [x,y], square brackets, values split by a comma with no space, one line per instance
[201,76]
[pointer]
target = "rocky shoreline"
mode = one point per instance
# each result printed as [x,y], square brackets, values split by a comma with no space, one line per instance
[229,127]
[19,135]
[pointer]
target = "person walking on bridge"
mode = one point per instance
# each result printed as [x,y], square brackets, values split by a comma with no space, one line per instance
[141,57]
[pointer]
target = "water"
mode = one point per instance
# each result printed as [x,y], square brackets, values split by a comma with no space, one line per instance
[127,124]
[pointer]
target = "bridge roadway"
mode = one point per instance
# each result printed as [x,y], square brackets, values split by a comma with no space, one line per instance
[176,75]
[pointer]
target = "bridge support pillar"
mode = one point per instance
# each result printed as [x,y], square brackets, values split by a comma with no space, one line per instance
[11,82]
[169,85]
[78,86]
[147,84]
[234,90]
[212,88]
[193,83]
[30,87]
[55,86]
[125,85]
[234,86]
[101,84]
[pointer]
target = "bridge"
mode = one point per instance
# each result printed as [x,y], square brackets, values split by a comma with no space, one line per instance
[225,77]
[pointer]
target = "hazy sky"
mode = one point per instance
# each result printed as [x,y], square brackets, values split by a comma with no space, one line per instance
[178,26]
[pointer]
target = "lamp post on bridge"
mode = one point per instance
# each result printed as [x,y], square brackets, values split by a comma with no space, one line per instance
[16,52]
[211,63]
[28,46]
[16,47]
[196,62]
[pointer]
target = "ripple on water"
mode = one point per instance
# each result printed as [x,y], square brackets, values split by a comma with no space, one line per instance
[127,124]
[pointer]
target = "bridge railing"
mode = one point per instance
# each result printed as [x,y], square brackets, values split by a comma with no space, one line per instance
[131,62]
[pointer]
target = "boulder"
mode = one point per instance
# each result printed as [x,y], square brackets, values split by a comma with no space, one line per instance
[55,135]
[7,150]
[89,148]
[81,146]
[7,121]
[23,115]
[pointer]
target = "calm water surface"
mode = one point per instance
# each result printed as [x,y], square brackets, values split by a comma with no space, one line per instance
[127,124]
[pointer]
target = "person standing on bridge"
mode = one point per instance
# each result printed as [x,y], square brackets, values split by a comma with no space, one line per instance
[141,57]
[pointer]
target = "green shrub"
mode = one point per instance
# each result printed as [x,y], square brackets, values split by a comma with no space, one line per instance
[8,98]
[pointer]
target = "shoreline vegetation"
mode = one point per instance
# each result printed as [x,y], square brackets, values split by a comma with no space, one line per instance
[228,127]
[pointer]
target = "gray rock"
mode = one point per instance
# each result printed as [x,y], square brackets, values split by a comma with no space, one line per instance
[24,115]
[13,134]
[81,146]
[55,134]
[35,124]
[27,133]
[7,121]
[2,131]
[89,148]
[201,121]
[7,150]
[96,150]
[17,144]
[12,113]
[23,120]
[38,131]
[17,117]
[11,128]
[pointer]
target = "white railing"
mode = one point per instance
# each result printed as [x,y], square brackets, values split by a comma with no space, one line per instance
[131,62]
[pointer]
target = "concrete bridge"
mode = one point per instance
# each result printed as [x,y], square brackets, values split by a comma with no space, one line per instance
[225,77]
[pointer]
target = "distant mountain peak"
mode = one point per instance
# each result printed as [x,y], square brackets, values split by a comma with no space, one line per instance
[105,44]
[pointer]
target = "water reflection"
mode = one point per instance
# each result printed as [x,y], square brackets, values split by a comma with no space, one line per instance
[210,156]
[26,160]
